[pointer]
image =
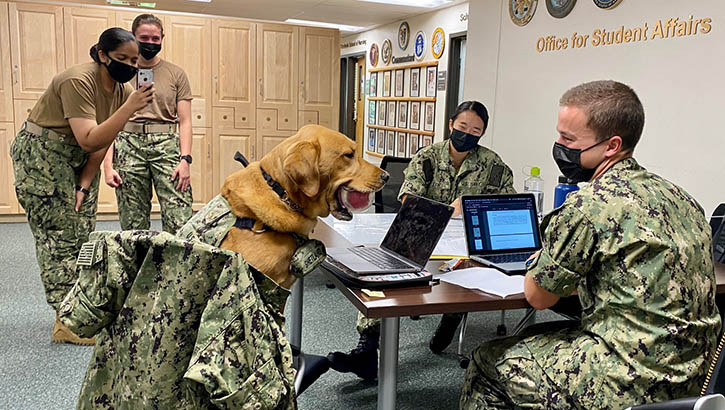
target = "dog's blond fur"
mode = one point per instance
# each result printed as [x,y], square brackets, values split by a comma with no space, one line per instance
[311,166]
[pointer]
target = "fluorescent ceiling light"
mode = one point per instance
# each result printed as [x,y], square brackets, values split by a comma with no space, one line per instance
[201,1]
[341,27]
[412,3]
[130,3]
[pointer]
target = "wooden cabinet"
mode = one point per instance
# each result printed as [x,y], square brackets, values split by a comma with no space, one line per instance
[37,46]
[82,27]
[22,109]
[189,46]
[277,72]
[201,169]
[8,201]
[226,143]
[319,62]
[6,80]
[234,48]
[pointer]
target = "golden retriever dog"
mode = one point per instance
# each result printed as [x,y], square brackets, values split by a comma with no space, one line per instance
[315,167]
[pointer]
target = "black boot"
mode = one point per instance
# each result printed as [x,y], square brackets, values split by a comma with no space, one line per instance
[445,332]
[362,360]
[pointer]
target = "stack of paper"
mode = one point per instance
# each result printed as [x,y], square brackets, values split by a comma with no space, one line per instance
[487,280]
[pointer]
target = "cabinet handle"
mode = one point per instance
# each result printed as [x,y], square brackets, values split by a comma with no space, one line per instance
[15,74]
[208,150]
[216,86]
[303,92]
[261,88]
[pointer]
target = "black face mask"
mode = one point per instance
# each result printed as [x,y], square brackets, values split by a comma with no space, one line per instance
[149,50]
[569,162]
[462,141]
[120,72]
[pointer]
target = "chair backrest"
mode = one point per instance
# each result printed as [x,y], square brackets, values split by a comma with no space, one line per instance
[386,200]
[717,223]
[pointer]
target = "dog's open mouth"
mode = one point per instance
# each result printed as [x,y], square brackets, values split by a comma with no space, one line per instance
[348,200]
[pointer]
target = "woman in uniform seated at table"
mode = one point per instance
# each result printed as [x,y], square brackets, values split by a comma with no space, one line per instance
[442,172]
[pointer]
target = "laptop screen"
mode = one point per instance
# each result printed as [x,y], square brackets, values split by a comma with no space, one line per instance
[503,223]
[416,229]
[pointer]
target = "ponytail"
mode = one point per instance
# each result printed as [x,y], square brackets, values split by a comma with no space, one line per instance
[110,40]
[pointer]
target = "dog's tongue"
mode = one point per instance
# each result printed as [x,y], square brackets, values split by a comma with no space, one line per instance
[356,201]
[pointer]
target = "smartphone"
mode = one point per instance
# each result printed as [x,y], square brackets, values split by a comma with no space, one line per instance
[145,77]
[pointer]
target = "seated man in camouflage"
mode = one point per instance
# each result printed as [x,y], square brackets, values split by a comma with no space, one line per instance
[637,249]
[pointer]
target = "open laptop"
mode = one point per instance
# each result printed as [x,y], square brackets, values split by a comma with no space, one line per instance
[407,245]
[502,231]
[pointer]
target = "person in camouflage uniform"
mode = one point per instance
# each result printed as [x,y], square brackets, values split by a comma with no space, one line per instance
[149,152]
[443,172]
[637,250]
[57,154]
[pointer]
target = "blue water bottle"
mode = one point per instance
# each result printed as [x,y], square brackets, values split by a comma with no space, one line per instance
[562,190]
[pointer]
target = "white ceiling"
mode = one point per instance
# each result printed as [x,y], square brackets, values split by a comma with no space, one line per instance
[349,12]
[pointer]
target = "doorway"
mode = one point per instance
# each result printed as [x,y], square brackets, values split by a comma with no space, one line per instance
[456,70]
[352,99]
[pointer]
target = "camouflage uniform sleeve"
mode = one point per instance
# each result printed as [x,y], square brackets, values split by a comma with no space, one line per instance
[567,253]
[507,181]
[414,181]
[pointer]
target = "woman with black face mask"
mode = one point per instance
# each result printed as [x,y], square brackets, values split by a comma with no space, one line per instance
[154,148]
[443,172]
[57,154]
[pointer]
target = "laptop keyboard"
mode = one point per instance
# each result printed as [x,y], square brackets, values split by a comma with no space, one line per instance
[379,258]
[508,258]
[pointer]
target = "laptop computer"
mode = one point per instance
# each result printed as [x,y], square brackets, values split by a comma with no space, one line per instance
[407,245]
[502,231]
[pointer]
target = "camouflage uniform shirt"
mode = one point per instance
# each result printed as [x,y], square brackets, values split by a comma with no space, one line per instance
[638,250]
[482,172]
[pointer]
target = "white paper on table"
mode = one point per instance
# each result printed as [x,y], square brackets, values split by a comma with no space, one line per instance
[485,279]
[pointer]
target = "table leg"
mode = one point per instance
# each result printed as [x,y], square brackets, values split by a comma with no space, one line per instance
[388,373]
[295,336]
[528,319]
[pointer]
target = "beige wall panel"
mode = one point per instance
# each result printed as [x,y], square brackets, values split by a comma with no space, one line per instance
[8,201]
[125,19]
[82,27]
[22,109]
[201,169]
[6,76]
[189,46]
[233,53]
[226,143]
[37,45]
[277,72]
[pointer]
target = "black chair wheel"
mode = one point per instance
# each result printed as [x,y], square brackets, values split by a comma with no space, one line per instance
[464,362]
[330,285]
[501,330]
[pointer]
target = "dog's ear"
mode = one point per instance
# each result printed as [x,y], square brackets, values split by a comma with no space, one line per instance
[301,166]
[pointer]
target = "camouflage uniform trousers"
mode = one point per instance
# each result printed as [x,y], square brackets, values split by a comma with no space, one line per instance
[46,173]
[503,374]
[143,160]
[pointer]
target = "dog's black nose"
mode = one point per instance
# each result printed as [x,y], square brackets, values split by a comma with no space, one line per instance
[385,176]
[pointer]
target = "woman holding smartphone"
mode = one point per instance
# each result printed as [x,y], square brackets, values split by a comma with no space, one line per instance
[154,148]
[57,154]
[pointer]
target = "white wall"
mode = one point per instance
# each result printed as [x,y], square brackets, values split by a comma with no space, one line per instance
[679,80]
[448,19]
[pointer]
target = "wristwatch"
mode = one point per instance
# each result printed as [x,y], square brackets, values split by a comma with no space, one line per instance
[81,189]
[186,158]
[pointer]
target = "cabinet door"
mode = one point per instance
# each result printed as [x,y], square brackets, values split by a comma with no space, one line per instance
[266,140]
[201,173]
[320,74]
[8,202]
[37,46]
[125,19]
[189,47]
[6,79]
[233,53]
[22,109]
[278,72]
[82,27]
[226,143]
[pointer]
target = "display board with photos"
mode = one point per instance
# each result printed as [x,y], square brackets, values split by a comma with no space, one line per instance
[401,108]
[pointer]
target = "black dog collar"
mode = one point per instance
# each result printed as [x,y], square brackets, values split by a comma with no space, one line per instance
[248,223]
[280,191]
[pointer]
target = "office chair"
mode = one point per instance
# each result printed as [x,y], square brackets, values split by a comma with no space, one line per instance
[386,200]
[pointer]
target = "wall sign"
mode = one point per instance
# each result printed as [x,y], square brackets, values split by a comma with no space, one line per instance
[374,53]
[403,35]
[419,45]
[438,43]
[387,51]
[521,11]
[442,80]
[607,4]
[560,8]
